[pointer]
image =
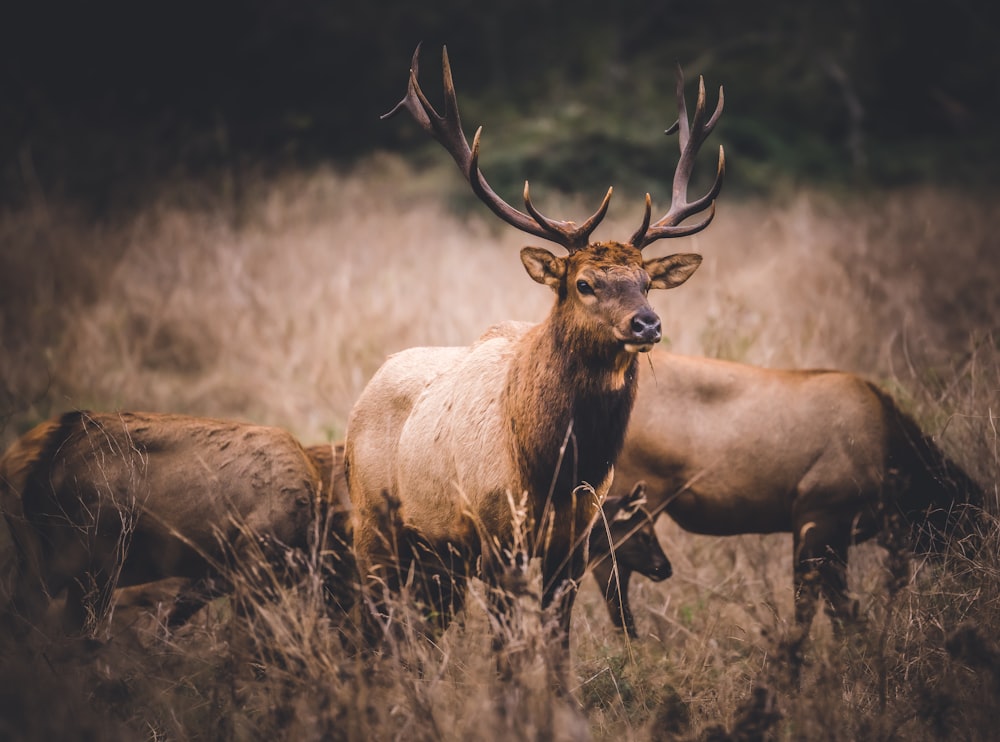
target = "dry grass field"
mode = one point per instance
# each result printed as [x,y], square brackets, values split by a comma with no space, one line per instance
[275,300]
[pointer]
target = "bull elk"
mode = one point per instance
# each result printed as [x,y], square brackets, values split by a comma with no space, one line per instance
[726,448]
[458,436]
[96,501]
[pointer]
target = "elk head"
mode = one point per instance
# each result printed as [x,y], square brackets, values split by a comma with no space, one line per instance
[601,286]
[632,533]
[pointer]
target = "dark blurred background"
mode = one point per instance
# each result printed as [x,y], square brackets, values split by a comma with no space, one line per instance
[103,99]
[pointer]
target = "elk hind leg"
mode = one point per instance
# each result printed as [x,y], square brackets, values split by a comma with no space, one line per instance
[821,568]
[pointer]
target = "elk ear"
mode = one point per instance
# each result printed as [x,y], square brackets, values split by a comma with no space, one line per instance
[630,505]
[543,266]
[671,271]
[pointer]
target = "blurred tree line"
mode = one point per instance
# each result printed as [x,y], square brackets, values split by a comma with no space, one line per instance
[101,97]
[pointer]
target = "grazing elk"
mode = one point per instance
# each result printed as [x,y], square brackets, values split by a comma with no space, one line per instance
[328,459]
[528,417]
[631,537]
[96,501]
[726,448]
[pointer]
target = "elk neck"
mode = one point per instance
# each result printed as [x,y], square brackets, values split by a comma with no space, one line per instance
[563,390]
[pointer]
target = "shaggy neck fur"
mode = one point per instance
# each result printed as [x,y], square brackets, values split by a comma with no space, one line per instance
[565,389]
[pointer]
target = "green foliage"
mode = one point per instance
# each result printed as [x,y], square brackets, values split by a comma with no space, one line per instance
[851,92]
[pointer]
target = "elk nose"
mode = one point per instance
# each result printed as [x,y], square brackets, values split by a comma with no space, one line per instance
[646,327]
[663,571]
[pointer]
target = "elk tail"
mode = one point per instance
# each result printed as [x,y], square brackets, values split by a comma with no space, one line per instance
[939,500]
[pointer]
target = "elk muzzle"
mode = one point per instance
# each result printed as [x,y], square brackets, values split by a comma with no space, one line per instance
[659,569]
[643,331]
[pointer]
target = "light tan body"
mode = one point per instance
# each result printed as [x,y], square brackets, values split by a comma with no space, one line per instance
[103,500]
[726,448]
[432,430]
[446,400]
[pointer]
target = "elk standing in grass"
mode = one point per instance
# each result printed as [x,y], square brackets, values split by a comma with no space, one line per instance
[96,501]
[726,448]
[528,417]
[628,544]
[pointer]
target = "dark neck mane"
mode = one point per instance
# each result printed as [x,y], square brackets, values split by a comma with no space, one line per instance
[568,407]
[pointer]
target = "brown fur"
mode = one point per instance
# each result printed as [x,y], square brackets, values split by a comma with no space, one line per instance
[103,500]
[636,549]
[463,438]
[632,533]
[328,460]
[456,435]
[727,448]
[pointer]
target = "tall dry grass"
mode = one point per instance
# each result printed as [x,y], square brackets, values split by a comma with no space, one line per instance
[276,301]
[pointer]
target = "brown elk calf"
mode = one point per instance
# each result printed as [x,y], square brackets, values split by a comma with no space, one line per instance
[528,417]
[633,547]
[726,448]
[96,501]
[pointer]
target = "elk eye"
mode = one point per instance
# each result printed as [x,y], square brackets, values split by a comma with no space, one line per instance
[584,288]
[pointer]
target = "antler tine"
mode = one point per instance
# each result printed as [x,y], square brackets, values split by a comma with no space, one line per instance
[556,226]
[682,115]
[447,130]
[691,135]
[411,100]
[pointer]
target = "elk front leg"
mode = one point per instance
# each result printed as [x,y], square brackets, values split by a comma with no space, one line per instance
[616,596]
[440,579]
[30,599]
[46,573]
[614,587]
[500,604]
[561,573]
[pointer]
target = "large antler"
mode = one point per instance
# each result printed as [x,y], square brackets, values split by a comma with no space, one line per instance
[691,137]
[447,130]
